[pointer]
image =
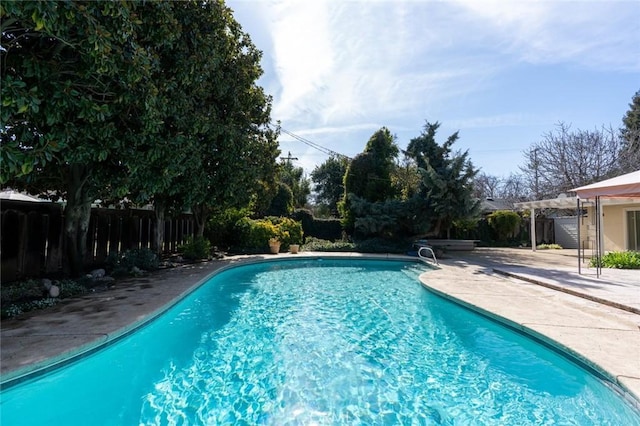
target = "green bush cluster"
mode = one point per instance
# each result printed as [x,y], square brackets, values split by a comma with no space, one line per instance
[25,290]
[372,245]
[119,264]
[255,233]
[317,244]
[223,227]
[290,230]
[504,223]
[618,260]
[196,248]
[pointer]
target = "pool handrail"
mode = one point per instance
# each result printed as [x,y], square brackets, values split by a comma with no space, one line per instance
[429,249]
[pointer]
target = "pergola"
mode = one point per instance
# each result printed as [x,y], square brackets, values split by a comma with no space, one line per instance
[616,190]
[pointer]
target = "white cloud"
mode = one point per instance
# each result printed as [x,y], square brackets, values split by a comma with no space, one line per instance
[500,120]
[592,34]
[361,61]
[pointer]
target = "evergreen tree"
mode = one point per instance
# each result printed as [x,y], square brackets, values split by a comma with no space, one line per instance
[328,178]
[447,180]
[368,176]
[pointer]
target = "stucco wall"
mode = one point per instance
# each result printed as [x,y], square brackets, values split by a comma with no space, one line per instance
[614,225]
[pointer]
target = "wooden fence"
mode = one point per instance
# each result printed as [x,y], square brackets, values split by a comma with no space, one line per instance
[33,236]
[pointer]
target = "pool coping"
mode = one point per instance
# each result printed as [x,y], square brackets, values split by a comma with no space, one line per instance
[629,390]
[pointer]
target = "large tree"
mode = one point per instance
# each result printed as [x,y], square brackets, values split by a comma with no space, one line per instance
[368,176]
[328,178]
[296,180]
[447,180]
[215,148]
[566,159]
[369,173]
[240,146]
[155,101]
[71,72]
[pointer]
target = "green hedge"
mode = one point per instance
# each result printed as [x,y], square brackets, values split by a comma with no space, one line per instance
[323,229]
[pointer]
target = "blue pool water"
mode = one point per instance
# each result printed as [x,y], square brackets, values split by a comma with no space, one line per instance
[318,342]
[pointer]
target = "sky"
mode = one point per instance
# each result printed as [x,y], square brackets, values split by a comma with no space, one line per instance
[501,73]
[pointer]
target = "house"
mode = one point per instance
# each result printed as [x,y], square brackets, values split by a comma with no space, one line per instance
[609,218]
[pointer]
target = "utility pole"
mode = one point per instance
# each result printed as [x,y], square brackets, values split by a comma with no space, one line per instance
[535,171]
[288,158]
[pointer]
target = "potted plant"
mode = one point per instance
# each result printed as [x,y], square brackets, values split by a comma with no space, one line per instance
[274,245]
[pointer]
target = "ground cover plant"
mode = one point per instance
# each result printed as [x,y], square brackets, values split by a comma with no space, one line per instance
[123,263]
[25,296]
[618,260]
[549,247]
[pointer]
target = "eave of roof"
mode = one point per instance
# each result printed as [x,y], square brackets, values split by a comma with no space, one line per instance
[570,203]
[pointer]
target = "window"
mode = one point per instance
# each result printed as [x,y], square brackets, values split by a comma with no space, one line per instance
[633,230]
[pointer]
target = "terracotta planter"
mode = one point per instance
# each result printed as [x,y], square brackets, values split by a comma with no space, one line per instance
[274,247]
[293,248]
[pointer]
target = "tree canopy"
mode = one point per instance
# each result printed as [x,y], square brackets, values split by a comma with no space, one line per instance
[369,173]
[422,196]
[328,178]
[447,179]
[152,101]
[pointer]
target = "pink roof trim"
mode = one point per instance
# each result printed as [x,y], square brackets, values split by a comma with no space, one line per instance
[622,186]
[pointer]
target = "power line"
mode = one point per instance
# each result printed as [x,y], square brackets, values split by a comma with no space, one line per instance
[314,145]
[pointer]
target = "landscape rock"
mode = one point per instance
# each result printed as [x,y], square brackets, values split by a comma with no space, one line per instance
[98,273]
[54,291]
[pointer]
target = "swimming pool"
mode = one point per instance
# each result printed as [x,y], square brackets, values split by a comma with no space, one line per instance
[318,342]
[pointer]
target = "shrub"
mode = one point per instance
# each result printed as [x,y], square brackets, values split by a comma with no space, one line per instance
[70,288]
[290,231]
[618,260]
[223,228]
[24,290]
[504,223]
[122,263]
[324,229]
[196,248]
[255,234]
[549,247]
[316,244]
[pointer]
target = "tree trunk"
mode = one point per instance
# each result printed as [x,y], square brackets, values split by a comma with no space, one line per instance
[200,216]
[158,226]
[77,214]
